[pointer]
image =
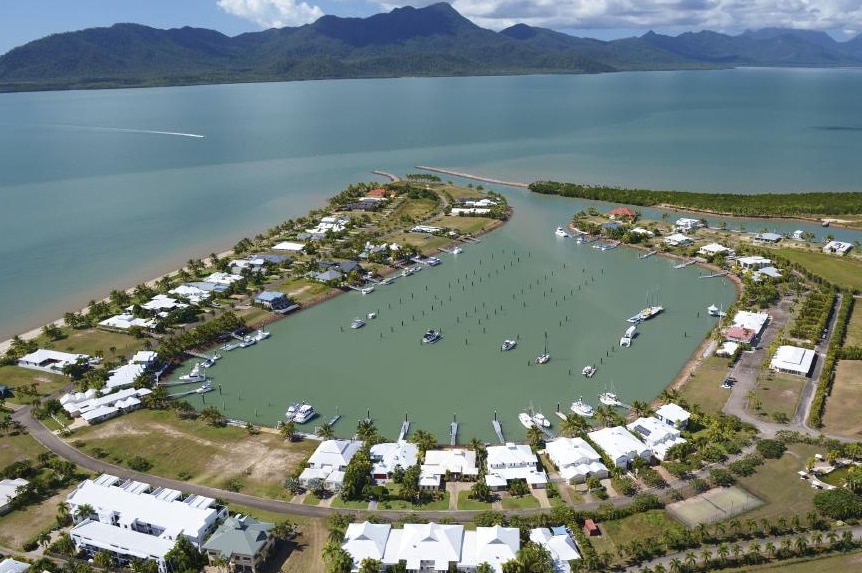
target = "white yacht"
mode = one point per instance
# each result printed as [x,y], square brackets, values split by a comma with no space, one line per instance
[431,336]
[247,341]
[261,334]
[196,375]
[526,420]
[457,251]
[357,323]
[609,399]
[371,315]
[581,408]
[543,358]
[292,410]
[560,232]
[432,261]
[508,344]
[205,387]
[304,414]
[588,370]
[715,311]
[541,420]
[367,290]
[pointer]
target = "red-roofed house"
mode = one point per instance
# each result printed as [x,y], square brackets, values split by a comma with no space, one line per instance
[739,334]
[379,192]
[620,213]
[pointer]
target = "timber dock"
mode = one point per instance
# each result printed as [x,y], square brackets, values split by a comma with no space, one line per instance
[498,429]
[453,431]
[405,427]
[684,264]
[714,275]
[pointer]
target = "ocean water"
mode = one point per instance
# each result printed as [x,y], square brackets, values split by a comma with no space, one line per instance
[103,189]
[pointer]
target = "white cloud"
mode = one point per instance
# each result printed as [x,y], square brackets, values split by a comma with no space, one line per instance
[272,13]
[687,14]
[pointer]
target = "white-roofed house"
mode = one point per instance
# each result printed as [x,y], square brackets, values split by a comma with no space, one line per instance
[10,565]
[754,321]
[837,247]
[329,461]
[656,434]
[127,321]
[458,462]
[673,415]
[793,360]
[678,240]
[753,262]
[425,547]
[713,249]
[492,545]
[8,491]
[559,544]
[387,456]
[366,540]
[575,459]
[51,361]
[620,445]
[513,461]
[124,545]
[687,224]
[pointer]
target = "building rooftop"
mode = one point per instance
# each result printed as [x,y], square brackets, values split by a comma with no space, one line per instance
[121,540]
[239,535]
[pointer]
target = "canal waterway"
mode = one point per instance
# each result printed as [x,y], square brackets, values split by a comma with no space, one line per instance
[521,282]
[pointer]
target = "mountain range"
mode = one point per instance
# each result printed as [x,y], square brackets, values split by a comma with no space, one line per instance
[431,41]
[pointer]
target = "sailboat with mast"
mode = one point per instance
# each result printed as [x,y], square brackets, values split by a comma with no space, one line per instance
[544,357]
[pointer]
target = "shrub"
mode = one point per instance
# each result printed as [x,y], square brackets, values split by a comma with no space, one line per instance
[140,464]
[700,485]
[624,485]
[771,449]
[721,477]
[838,504]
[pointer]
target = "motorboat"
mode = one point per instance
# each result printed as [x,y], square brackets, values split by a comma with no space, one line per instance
[715,311]
[526,420]
[609,399]
[407,272]
[560,232]
[304,414]
[588,370]
[625,342]
[247,341]
[367,290]
[261,334]
[431,336]
[292,410]
[205,387]
[196,375]
[581,408]
[508,345]
[371,315]
[457,251]
[357,323]
[432,261]
[543,358]
[541,420]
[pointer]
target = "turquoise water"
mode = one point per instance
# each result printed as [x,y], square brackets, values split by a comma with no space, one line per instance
[94,200]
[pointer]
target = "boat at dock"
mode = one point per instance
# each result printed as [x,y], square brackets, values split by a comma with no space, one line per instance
[581,408]
[540,420]
[526,420]
[457,251]
[508,345]
[367,290]
[205,387]
[431,336]
[357,323]
[261,334]
[247,341]
[609,399]
[304,413]
[715,311]
[589,370]
[560,232]
[196,375]
[292,410]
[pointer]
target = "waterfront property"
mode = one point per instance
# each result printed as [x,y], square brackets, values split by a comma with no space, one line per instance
[511,462]
[793,360]
[274,300]
[746,327]
[242,542]
[125,375]
[673,415]
[678,240]
[390,455]
[575,459]
[8,491]
[328,463]
[51,361]
[93,408]
[657,435]
[837,247]
[767,238]
[713,249]
[687,224]
[620,445]
[431,547]
[458,462]
[753,263]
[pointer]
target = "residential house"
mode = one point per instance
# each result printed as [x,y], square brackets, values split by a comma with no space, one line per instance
[642,231]
[366,540]
[678,240]
[94,409]
[459,463]
[51,361]
[620,445]
[753,262]
[242,541]
[8,491]
[123,545]
[837,247]
[426,547]
[427,229]
[575,459]
[673,415]
[388,456]
[793,360]
[623,213]
[274,300]
[10,565]
[559,544]
[195,293]
[513,461]
[327,276]
[459,211]
[687,224]
[740,334]
[656,434]
[329,461]
[767,238]
[752,321]
[127,321]
[713,249]
[492,545]
[289,246]
[380,193]
[766,272]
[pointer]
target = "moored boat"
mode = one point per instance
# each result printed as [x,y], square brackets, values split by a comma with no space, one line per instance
[205,387]
[261,334]
[292,410]
[457,251]
[304,413]
[609,399]
[541,420]
[357,323]
[526,420]
[196,375]
[560,232]
[581,408]
[508,344]
[588,370]
[431,336]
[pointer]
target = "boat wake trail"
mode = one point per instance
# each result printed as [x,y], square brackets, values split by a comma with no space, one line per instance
[129,130]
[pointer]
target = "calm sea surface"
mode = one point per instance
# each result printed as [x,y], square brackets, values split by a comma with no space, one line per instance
[104,189]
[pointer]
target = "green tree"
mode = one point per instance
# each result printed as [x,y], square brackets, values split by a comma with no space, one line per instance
[366,430]
[424,441]
[370,565]
[480,491]
[288,430]
[103,559]
[185,557]
[325,431]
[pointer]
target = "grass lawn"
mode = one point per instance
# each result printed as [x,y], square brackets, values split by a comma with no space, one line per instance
[854,327]
[841,271]
[847,562]
[339,502]
[253,315]
[211,456]
[780,394]
[18,527]
[311,499]
[778,485]
[704,387]
[636,527]
[91,340]
[464,502]
[302,290]
[16,448]
[417,209]
[464,224]
[525,502]
[15,376]
[841,415]
[457,193]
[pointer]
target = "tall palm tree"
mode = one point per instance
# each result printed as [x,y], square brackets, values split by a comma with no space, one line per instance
[84,511]
[800,545]
[770,548]
[574,425]
[288,430]
[676,565]
[690,559]
[478,446]
[424,441]
[641,409]
[535,436]
[754,550]
[366,429]
[325,431]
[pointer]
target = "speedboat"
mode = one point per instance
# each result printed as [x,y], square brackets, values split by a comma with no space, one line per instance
[541,420]
[371,315]
[588,370]
[204,388]
[526,420]
[609,399]
[357,323]
[543,358]
[508,344]
[432,261]
[196,375]
[407,272]
[581,408]
[247,341]
[560,232]
[715,311]
[367,290]
[431,336]
[304,414]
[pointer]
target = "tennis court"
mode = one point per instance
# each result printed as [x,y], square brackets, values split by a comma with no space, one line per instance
[714,505]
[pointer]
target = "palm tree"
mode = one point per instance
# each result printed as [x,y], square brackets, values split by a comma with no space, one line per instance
[605,415]
[705,556]
[736,549]
[366,430]
[535,436]
[817,538]
[800,545]
[424,441]
[325,431]
[574,425]
[832,536]
[63,513]
[754,550]
[676,565]
[770,548]
[641,409]
[478,446]
[288,430]
[103,559]
[84,511]
[723,551]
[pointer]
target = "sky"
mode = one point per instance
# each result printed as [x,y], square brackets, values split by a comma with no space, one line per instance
[22,21]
